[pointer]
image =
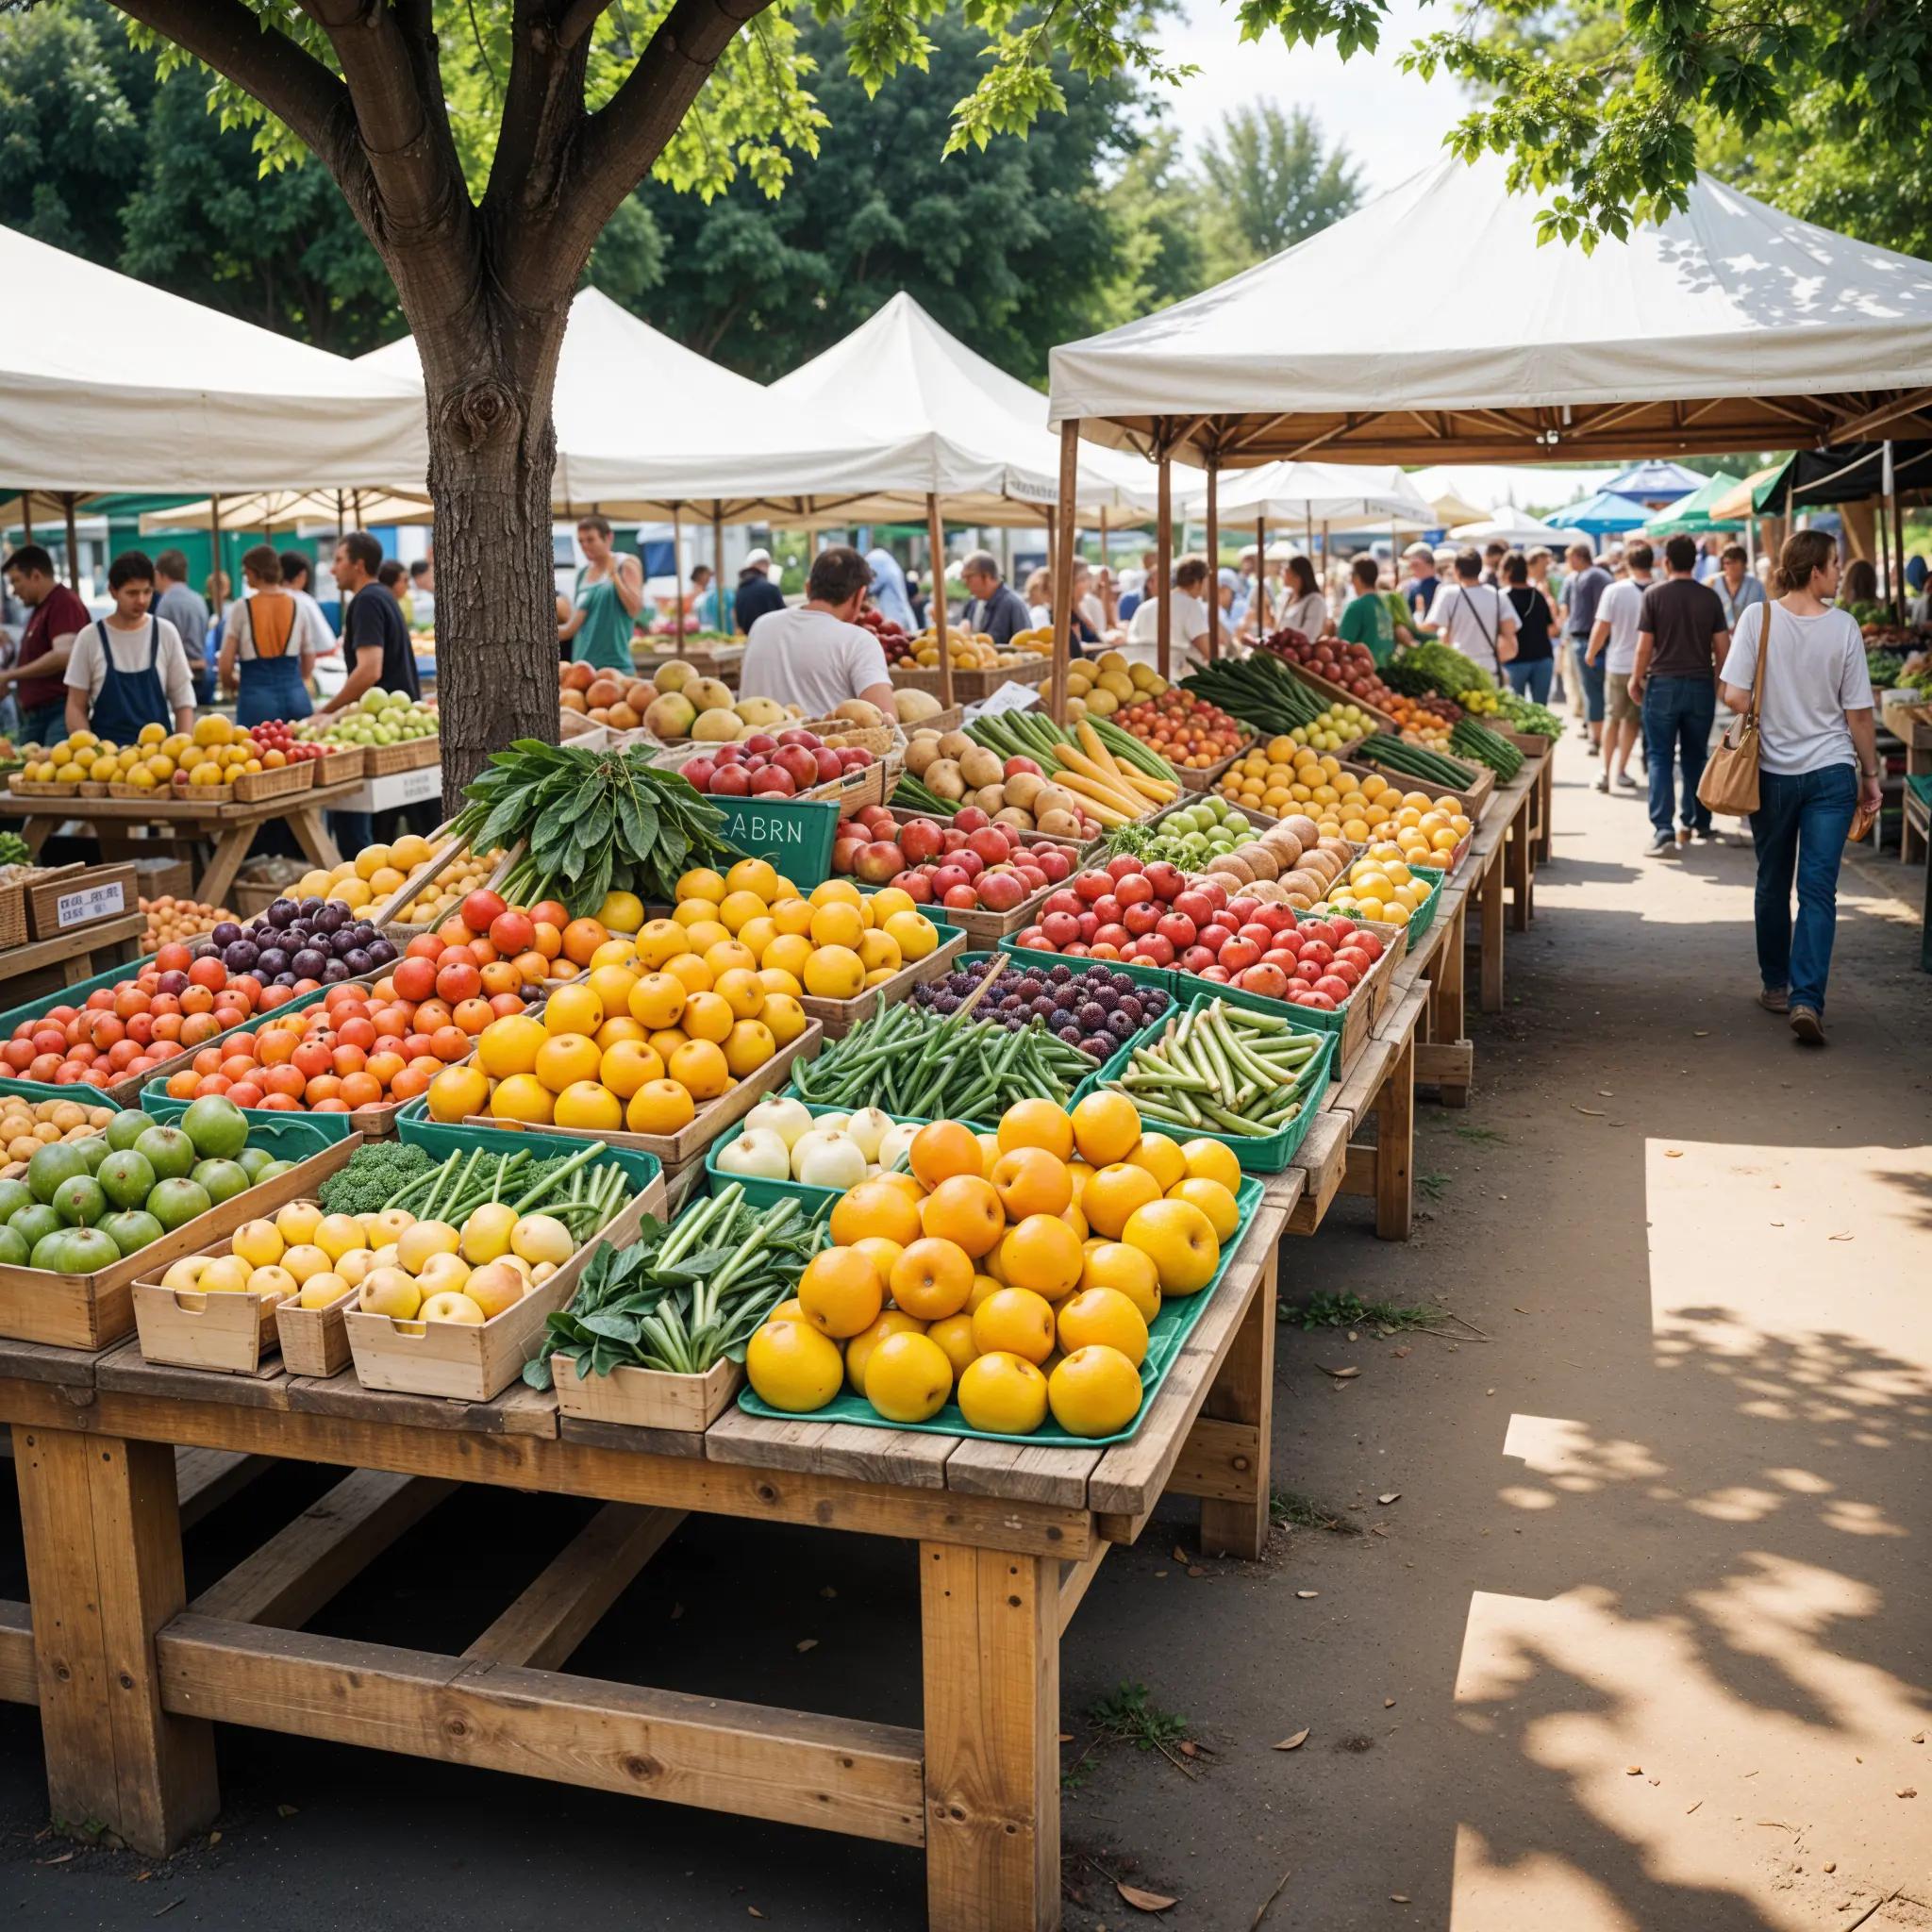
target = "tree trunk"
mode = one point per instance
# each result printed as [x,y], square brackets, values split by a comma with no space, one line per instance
[492,447]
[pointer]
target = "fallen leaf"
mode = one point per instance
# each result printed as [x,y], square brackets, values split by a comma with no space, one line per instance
[1066,1737]
[808,1643]
[1144,1901]
[1390,1496]
[1295,1743]
[60,1861]
[1195,1570]
[1404,1349]
[1180,1556]
[1594,1112]
[1398,1898]
[1910,1792]
[1308,1592]
[1340,1375]
[1673,1154]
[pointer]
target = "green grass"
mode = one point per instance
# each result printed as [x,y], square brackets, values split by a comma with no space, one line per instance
[1434,1185]
[1130,1716]
[1350,1311]
[1302,1512]
[1486,1135]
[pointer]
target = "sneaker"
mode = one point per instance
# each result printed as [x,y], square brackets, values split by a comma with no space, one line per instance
[1683,836]
[1603,784]
[1808,1025]
[1774,1000]
[1709,835]
[1662,846]
[1627,783]
[1590,749]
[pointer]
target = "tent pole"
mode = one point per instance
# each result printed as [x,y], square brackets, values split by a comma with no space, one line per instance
[1062,593]
[214,546]
[1898,550]
[1163,570]
[718,563]
[27,516]
[936,541]
[1260,578]
[677,579]
[1324,558]
[1213,556]
[73,545]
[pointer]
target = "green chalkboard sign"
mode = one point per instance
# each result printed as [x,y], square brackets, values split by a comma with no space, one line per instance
[795,834]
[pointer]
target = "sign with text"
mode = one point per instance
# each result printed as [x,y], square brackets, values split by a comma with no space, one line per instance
[108,900]
[795,834]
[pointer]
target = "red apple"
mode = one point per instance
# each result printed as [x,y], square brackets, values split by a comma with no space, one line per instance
[1014,767]
[969,818]
[729,755]
[826,760]
[800,764]
[730,781]
[920,840]
[1061,929]
[774,780]
[797,736]
[760,741]
[990,841]
[878,862]
[969,861]
[1000,891]
[855,757]
[946,877]
[1052,861]
[962,898]
[699,772]
[917,884]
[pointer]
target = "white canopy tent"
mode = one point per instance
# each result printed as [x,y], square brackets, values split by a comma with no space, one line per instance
[282,509]
[106,384]
[1360,496]
[1730,325]
[1514,526]
[1523,486]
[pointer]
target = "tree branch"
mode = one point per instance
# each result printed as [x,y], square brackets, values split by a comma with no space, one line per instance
[290,83]
[543,107]
[579,17]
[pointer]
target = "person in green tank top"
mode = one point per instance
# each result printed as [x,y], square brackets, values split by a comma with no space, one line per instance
[609,594]
[1367,619]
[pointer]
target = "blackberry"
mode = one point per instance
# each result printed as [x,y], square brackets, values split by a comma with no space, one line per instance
[947,1003]
[1072,1035]
[1059,1020]
[1092,1016]
[1119,1025]
[1060,975]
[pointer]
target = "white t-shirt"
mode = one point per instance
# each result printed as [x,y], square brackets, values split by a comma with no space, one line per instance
[1817,673]
[1309,615]
[809,659]
[1622,607]
[1190,621]
[310,633]
[87,667]
[1470,618]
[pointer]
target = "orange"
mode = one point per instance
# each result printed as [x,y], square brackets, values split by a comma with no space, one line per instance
[879,952]
[1103,1315]
[912,932]
[707,1016]
[1016,1321]
[859,1350]
[748,1046]
[522,1097]
[1002,1393]
[875,1207]
[1094,1391]
[666,1041]
[983,1285]
[701,882]
[988,1154]
[727,955]
[1128,1271]
[565,1058]
[758,876]
[1213,1200]
[738,910]
[699,1066]
[793,917]
[793,1367]
[882,1253]
[965,1210]
[611,985]
[1112,1195]
[836,924]
[905,1183]
[1180,1241]
[657,940]
[586,1104]
[942,1149]
[840,1292]
[1042,1253]
[1106,1127]
[1161,1157]
[689,913]
[775,979]
[511,1045]
[691,971]
[622,1027]
[1030,1182]
[457,1092]
[573,1009]
[932,1279]
[908,1378]
[785,1016]
[834,971]
[1212,1160]
[755,935]
[788,953]
[581,939]
[628,1065]
[954,1336]
[659,1107]
[1037,1124]
[739,988]
[658,1000]
[836,891]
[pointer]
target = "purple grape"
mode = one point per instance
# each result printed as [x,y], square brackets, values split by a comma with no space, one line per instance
[239,955]
[333,971]
[272,960]
[280,913]
[308,963]
[358,962]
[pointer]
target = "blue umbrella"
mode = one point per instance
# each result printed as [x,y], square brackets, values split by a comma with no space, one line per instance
[1603,514]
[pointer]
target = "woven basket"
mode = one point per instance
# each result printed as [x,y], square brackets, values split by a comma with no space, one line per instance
[339,767]
[250,786]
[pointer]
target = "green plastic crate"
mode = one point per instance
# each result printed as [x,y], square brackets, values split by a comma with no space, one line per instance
[1166,1336]
[1266,1153]
[1165,977]
[795,834]
[38,1091]
[443,1138]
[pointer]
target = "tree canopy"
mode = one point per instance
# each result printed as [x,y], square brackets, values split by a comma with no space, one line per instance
[1269,182]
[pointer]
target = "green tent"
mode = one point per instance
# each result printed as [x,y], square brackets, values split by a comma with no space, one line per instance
[1691,517]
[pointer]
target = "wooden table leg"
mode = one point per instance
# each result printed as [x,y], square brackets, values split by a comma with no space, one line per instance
[990,1631]
[103,1539]
[1395,1145]
[1490,936]
[36,832]
[311,834]
[231,848]
[1244,1391]
[1516,857]
[1546,785]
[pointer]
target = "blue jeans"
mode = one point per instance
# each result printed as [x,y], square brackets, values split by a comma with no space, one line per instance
[1532,680]
[1800,826]
[1677,713]
[1593,676]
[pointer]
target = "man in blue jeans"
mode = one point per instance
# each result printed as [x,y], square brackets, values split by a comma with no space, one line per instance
[1681,640]
[1582,592]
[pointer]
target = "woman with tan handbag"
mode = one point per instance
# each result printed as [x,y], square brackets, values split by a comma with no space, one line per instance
[1796,672]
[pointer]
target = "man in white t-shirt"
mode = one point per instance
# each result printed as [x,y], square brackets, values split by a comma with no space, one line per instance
[1188,623]
[1613,638]
[1473,617]
[129,669]
[815,656]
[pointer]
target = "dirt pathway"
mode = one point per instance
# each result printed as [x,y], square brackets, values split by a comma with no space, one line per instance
[1640,1644]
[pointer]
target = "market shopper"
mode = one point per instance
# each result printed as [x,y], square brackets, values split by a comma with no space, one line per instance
[605,603]
[757,592]
[1304,608]
[1737,584]
[395,580]
[1367,618]
[129,669]
[1817,764]
[992,605]
[1187,623]
[1494,553]
[423,592]
[817,655]
[1582,591]
[375,641]
[1681,639]
[36,675]
[1613,644]
[888,596]
[1419,592]
[1473,617]
[177,601]
[268,645]
[1530,671]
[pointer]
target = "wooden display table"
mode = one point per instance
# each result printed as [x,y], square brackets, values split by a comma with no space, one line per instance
[230,827]
[1498,862]
[1445,1058]
[131,1678]
[110,941]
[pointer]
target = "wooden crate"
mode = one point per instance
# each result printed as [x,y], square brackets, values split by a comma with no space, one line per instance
[252,785]
[987,928]
[473,1363]
[647,1398]
[90,1310]
[79,895]
[12,915]
[230,1334]
[40,788]
[315,1342]
[839,1017]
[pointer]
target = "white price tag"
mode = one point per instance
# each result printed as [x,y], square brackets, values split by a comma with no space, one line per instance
[1008,697]
[88,904]
[425,782]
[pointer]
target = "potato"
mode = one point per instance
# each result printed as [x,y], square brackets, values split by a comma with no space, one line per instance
[942,778]
[1023,788]
[955,744]
[981,767]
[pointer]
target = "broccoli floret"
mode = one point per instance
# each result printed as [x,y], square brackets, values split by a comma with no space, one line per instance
[375,1174]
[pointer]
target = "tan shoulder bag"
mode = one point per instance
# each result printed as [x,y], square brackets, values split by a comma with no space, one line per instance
[1730,784]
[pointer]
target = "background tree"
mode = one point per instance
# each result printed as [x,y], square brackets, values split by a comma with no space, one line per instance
[1269,182]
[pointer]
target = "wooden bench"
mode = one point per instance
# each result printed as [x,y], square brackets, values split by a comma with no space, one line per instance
[131,1677]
